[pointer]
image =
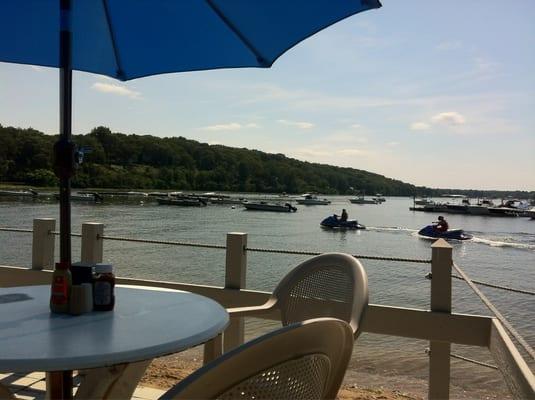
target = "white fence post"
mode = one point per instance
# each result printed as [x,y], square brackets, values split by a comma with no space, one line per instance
[92,244]
[439,358]
[235,272]
[43,243]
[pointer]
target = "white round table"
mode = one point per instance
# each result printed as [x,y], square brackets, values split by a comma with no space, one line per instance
[145,323]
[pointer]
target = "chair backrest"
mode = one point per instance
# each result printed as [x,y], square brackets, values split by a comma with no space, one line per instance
[305,361]
[329,285]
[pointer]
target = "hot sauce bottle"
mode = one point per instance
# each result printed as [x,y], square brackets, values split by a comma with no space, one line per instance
[60,288]
[103,288]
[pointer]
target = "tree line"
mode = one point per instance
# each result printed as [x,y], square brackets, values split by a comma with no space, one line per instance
[117,160]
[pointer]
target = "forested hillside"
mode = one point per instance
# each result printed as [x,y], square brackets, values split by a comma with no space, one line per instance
[117,160]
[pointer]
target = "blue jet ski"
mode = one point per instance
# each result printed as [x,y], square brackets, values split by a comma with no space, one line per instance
[335,223]
[431,232]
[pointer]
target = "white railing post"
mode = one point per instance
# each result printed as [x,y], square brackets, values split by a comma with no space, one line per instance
[92,244]
[235,272]
[43,243]
[439,357]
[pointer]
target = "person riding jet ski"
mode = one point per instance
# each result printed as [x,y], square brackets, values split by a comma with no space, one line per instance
[441,224]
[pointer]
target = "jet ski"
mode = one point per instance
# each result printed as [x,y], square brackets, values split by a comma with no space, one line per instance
[335,223]
[431,232]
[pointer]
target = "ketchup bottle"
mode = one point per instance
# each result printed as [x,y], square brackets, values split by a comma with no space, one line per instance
[61,288]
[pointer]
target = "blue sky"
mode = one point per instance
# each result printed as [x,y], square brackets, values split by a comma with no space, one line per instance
[433,93]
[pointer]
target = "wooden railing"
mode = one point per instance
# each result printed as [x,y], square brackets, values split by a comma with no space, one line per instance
[439,325]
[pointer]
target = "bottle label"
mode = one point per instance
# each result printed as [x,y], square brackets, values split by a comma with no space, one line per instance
[59,291]
[102,293]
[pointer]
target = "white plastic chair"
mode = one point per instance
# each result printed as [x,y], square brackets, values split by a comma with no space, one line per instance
[305,360]
[329,285]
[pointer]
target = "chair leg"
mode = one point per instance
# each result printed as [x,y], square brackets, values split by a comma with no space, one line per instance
[5,393]
[213,349]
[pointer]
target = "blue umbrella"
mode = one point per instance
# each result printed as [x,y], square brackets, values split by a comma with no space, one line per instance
[128,39]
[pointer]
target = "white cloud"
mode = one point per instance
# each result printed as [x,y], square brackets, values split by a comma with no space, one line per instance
[114,88]
[356,126]
[420,126]
[393,144]
[449,118]
[297,124]
[232,126]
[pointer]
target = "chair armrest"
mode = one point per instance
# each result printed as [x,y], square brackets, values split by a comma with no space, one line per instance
[252,311]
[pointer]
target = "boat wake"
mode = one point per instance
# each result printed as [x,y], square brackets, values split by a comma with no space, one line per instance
[391,229]
[504,243]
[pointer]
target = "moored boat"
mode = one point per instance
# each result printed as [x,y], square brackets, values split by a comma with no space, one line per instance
[184,201]
[363,200]
[264,206]
[83,197]
[423,201]
[379,198]
[310,199]
[19,193]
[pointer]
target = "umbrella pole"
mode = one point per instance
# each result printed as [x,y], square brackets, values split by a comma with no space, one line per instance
[64,148]
[61,382]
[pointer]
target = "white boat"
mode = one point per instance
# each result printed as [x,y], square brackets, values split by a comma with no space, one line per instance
[84,197]
[182,201]
[379,198]
[363,200]
[310,199]
[264,206]
[225,200]
[423,201]
[19,193]
[530,213]
[481,208]
[510,208]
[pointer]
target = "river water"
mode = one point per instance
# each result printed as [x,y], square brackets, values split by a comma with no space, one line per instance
[502,252]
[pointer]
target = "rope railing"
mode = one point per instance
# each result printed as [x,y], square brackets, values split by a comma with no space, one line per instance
[165,242]
[497,313]
[491,285]
[16,230]
[471,360]
[494,286]
[463,358]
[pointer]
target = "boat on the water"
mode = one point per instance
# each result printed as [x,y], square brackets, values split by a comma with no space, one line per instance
[182,201]
[379,198]
[310,199]
[430,231]
[19,193]
[264,206]
[481,208]
[333,222]
[83,197]
[363,200]
[423,201]
[530,213]
[511,208]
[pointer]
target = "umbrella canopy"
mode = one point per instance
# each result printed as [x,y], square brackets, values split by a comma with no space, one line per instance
[128,39]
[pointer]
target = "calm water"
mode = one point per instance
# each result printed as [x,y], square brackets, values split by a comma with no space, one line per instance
[502,252]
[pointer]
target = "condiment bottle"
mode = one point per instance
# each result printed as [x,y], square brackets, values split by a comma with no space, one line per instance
[61,288]
[103,288]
